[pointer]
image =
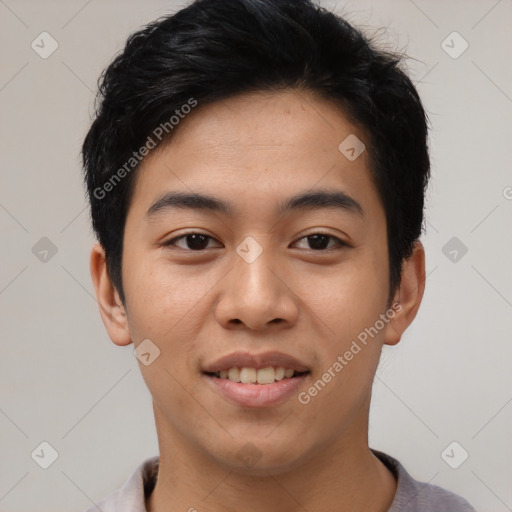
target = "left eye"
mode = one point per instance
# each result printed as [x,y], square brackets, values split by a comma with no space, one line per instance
[198,242]
[319,241]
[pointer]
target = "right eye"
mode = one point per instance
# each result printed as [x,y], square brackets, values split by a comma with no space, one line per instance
[195,241]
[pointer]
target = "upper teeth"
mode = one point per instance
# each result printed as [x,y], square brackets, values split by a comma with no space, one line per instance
[251,375]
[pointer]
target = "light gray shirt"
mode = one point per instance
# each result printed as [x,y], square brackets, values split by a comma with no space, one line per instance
[410,496]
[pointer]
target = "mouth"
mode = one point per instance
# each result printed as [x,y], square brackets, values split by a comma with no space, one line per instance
[256,380]
[262,376]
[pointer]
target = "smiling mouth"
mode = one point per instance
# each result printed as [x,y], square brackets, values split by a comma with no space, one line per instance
[263,376]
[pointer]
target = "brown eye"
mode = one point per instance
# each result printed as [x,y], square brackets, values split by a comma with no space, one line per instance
[192,241]
[320,242]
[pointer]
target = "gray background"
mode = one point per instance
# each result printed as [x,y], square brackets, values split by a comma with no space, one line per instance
[64,382]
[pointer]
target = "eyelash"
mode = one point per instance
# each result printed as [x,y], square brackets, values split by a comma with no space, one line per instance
[339,243]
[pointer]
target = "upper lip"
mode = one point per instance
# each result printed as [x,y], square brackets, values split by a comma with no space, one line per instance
[257,361]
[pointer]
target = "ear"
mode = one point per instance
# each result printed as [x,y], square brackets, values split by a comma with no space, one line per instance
[112,310]
[408,296]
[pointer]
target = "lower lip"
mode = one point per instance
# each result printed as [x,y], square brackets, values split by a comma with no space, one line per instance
[256,395]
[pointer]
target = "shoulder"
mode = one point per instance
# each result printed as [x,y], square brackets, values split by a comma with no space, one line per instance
[414,496]
[131,496]
[107,504]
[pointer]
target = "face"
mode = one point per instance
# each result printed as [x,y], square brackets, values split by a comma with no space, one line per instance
[258,275]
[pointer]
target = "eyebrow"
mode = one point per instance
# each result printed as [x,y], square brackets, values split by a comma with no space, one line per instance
[314,199]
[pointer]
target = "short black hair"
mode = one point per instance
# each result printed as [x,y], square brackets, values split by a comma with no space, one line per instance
[215,49]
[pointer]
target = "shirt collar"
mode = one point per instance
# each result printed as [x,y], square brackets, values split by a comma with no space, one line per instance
[132,496]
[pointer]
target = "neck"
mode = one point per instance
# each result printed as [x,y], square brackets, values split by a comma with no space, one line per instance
[345,475]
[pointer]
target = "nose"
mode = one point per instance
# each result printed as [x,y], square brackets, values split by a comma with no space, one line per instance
[257,295]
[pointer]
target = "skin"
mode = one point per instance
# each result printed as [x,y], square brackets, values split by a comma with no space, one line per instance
[254,151]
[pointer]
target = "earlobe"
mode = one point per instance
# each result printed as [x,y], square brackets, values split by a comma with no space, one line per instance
[112,310]
[408,296]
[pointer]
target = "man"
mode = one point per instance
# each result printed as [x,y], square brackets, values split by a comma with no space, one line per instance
[256,172]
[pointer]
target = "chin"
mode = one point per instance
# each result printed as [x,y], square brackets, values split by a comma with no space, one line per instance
[261,457]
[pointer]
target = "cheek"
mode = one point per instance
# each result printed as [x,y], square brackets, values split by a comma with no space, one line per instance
[349,298]
[164,305]
[351,303]
[161,297]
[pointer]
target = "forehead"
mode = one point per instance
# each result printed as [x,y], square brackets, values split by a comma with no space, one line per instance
[256,149]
